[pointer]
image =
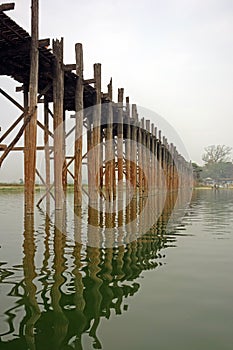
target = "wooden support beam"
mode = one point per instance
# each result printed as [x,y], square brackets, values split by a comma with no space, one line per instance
[12,127]
[144,157]
[69,67]
[58,98]
[44,42]
[148,154]
[7,7]
[120,142]
[5,94]
[109,149]
[78,126]
[153,174]
[45,90]
[159,157]
[88,81]
[128,147]
[140,160]
[31,129]
[21,148]
[90,163]
[47,153]
[48,191]
[134,147]
[43,128]
[17,137]
[96,131]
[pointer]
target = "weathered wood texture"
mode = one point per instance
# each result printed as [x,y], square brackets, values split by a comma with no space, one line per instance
[58,97]
[31,128]
[78,126]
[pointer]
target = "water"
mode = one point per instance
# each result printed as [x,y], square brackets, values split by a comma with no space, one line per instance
[168,289]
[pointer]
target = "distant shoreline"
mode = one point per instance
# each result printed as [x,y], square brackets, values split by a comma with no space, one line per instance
[20,187]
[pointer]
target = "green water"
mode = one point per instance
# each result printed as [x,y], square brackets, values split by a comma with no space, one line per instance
[171,288]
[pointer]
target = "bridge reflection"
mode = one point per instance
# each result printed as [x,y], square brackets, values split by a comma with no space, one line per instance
[65,288]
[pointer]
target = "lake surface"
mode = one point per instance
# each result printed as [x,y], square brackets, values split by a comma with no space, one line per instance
[72,288]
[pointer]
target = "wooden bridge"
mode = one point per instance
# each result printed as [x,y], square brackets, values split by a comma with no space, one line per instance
[123,149]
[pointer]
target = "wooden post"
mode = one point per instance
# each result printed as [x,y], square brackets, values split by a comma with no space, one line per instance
[110,164]
[97,127]
[159,153]
[134,148]
[164,165]
[148,162]
[31,129]
[152,158]
[128,146]
[78,126]
[120,141]
[58,97]
[144,160]
[101,166]
[64,168]
[140,162]
[47,153]
[90,162]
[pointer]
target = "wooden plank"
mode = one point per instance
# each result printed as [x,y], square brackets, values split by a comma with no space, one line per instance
[69,67]
[78,126]
[58,98]
[31,129]
[7,7]
[88,81]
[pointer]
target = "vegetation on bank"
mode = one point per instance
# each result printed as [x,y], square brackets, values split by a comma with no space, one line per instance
[217,168]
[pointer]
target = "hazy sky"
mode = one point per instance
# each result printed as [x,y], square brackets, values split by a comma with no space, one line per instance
[174,57]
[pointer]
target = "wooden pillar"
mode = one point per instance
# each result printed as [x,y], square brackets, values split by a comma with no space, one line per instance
[172,166]
[90,162]
[128,145]
[164,161]
[148,154]
[101,166]
[110,163]
[159,153]
[152,158]
[120,141]
[78,126]
[47,153]
[58,97]
[31,129]
[156,159]
[64,169]
[144,157]
[97,130]
[134,148]
[140,162]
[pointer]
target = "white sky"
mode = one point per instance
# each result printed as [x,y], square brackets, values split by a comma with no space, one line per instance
[174,57]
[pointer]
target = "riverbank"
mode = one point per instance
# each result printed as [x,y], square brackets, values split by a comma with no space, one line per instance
[70,187]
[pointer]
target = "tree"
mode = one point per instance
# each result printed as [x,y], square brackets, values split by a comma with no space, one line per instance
[221,170]
[196,172]
[216,154]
